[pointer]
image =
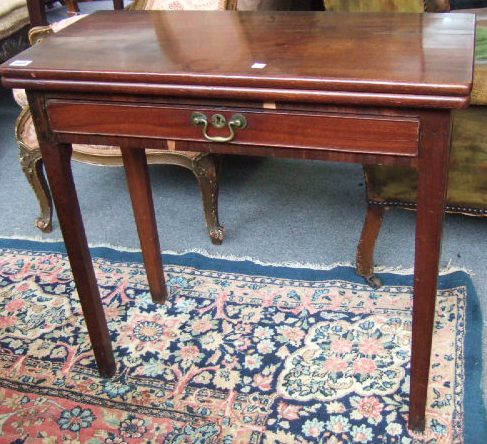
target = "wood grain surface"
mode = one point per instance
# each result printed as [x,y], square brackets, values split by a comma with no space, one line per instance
[412,54]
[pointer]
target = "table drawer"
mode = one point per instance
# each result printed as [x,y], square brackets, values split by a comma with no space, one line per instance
[320,131]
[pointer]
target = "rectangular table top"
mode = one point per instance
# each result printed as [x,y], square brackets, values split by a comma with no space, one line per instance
[411,54]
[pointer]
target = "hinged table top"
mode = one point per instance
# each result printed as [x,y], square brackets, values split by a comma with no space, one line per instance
[292,54]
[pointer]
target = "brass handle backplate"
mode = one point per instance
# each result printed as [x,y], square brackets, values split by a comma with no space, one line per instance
[237,121]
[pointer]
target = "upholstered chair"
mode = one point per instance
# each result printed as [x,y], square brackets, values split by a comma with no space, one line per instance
[387,5]
[204,166]
[389,187]
[14,24]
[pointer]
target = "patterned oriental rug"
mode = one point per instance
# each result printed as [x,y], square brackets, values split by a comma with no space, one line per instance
[241,353]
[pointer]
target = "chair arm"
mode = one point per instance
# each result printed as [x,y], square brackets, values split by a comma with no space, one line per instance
[37,33]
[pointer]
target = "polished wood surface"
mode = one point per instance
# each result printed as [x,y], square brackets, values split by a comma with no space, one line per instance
[352,133]
[138,181]
[372,88]
[410,54]
[433,178]
[57,161]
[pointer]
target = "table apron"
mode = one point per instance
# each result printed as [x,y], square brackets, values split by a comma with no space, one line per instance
[302,130]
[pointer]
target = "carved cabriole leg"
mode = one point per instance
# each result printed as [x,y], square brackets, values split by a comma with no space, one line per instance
[206,168]
[138,181]
[365,250]
[31,163]
[432,184]
[57,161]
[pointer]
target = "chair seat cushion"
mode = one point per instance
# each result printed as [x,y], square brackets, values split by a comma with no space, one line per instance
[64,23]
[13,16]
[20,97]
[374,6]
[467,177]
[479,90]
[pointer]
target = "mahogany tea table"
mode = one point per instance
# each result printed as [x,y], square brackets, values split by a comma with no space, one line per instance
[367,88]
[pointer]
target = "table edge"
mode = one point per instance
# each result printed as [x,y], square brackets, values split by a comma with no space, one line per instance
[387,99]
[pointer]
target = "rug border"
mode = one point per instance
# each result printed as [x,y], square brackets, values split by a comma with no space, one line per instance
[475,421]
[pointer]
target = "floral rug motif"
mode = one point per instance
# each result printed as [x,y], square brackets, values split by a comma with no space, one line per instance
[241,353]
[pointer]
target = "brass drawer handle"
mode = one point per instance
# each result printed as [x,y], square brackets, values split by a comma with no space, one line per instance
[237,121]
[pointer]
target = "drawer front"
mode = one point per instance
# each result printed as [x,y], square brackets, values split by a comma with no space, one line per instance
[320,131]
